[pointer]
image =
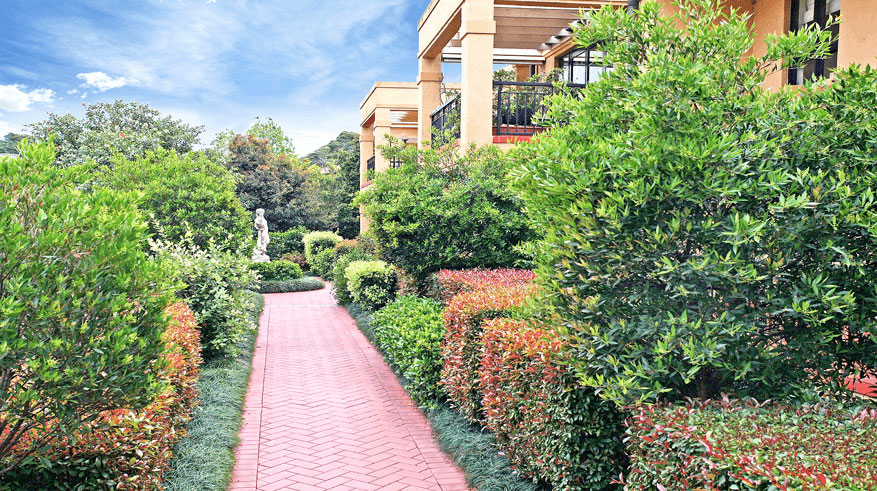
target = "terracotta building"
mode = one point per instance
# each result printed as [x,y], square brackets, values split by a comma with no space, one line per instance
[534,37]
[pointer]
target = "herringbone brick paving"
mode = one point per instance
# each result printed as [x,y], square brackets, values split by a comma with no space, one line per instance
[323,410]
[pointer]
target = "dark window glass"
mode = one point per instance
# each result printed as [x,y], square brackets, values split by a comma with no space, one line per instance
[810,12]
[583,66]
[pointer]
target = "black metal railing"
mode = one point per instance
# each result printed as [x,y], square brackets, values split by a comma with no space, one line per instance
[520,106]
[447,118]
[395,163]
[370,165]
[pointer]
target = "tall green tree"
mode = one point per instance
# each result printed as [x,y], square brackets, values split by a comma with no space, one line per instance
[699,234]
[9,143]
[338,165]
[279,183]
[184,195]
[268,130]
[126,128]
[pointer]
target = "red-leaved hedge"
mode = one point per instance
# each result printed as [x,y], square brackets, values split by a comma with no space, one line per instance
[447,283]
[123,449]
[553,430]
[461,349]
[749,446]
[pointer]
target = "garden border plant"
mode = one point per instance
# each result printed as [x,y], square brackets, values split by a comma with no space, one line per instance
[204,459]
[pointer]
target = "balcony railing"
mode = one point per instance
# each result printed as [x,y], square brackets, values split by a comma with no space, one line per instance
[370,164]
[447,117]
[520,106]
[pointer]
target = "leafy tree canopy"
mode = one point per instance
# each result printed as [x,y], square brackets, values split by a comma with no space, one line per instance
[268,129]
[336,166]
[185,194]
[9,143]
[127,128]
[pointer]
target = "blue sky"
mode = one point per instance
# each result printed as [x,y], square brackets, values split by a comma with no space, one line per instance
[218,63]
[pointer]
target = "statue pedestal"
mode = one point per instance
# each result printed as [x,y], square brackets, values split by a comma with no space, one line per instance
[259,256]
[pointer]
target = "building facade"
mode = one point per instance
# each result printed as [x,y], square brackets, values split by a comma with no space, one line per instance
[534,37]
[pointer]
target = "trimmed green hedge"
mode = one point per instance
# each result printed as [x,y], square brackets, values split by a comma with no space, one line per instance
[278,270]
[315,242]
[288,242]
[372,284]
[297,285]
[322,264]
[339,286]
[409,331]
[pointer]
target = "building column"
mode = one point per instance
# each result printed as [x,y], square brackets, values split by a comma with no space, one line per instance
[429,84]
[477,32]
[382,129]
[366,150]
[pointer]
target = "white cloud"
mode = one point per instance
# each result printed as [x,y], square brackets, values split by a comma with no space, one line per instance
[15,98]
[73,91]
[101,82]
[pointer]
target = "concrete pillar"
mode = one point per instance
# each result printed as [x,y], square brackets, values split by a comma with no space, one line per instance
[477,32]
[366,150]
[382,129]
[522,73]
[429,84]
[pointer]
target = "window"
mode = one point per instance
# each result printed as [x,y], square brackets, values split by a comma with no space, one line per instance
[809,12]
[583,66]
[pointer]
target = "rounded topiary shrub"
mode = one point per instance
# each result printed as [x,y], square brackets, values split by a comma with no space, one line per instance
[278,270]
[322,264]
[340,290]
[287,242]
[372,284]
[316,242]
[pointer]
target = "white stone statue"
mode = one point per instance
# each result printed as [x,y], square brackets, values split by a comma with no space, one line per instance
[260,252]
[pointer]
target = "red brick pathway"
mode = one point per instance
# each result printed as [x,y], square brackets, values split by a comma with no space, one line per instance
[323,410]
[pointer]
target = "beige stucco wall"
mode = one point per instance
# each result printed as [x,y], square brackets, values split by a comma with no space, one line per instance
[858,33]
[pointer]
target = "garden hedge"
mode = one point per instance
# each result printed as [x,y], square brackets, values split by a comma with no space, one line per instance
[409,331]
[124,449]
[287,242]
[322,264]
[278,270]
[339,285]
[744,445]
[287,286]
[372,284]
[555,431]
[461,349]
[316,242]
[446,283]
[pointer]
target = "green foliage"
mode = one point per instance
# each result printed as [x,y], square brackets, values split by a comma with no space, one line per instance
[701,234]
[183,195]
[217,282]
[204,458]
[339,160]
[287,242]
[372,284]
[127,128]
[409,331]
[323,263]
[315,242]
[82,306]
[278,270]
[269,130]
[743,445]
[339,285]
[279,183]
[299,285]
[9,143]
[442,210]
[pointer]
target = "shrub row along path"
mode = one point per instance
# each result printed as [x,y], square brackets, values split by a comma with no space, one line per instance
[323,410]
